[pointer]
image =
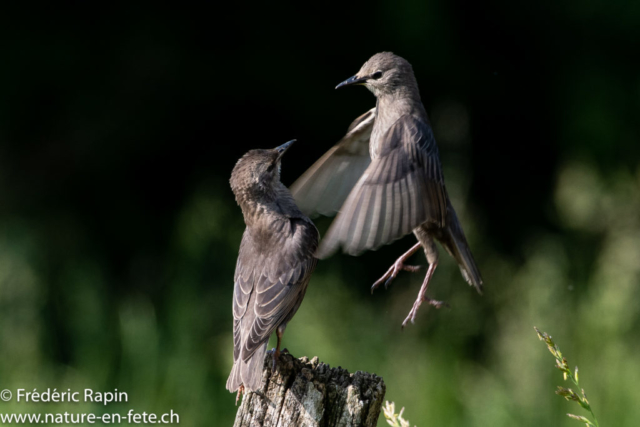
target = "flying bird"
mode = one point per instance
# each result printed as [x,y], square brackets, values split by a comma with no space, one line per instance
[384,180]
[274,264]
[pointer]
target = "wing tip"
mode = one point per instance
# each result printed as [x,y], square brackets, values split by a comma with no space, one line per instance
[479,287]
[325,251]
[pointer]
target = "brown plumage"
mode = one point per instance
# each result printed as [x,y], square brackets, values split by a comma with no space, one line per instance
[389,184]
[274,265]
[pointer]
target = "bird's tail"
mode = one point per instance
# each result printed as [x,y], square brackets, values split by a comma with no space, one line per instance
[247,373]
[234,381]
[459,249]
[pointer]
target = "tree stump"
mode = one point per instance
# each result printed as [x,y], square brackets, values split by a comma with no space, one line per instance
[308,393]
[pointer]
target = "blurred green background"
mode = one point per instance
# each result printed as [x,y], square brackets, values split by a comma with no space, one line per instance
[119,127]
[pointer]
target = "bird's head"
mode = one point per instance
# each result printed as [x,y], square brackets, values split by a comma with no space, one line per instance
[258,172]
[384,73]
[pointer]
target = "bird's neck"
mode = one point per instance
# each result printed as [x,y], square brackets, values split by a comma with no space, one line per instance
[255,204]
[389,108]
[400,102]
[274,203]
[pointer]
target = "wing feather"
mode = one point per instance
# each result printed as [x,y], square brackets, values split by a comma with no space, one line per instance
[407,176]
[324,187]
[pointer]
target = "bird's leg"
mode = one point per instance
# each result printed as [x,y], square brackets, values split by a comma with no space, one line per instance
[431,253]
[276,354]
[240,391]
[422,296]
[397,267]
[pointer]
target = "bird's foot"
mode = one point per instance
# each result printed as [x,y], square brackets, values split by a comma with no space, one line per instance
[391,274]
[416,306]
[240,392]
[276,356]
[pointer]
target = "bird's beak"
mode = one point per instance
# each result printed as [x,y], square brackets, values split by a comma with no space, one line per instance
[284,147]
[355,80]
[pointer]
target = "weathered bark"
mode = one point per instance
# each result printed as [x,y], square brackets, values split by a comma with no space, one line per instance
[307,393]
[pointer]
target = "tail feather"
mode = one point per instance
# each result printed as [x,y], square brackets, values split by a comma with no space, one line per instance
[234,381]
[459,249]
[247,373]
[468,267]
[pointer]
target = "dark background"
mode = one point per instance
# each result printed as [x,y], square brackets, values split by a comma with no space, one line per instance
[119,127]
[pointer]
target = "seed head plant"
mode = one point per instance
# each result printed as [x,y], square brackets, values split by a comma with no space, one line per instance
[393,419]
[567,393]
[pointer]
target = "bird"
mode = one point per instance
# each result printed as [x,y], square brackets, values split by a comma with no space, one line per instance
[384,180]
[275,262]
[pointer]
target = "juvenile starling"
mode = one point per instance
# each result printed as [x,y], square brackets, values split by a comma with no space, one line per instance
[388,184]
[274,265]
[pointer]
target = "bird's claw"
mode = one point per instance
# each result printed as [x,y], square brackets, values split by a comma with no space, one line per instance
[391,274]
[274,364]
[240,392]
[388,282]
[416,306]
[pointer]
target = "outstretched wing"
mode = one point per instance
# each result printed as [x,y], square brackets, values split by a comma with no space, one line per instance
[323,188]
[270,284]
[401,189]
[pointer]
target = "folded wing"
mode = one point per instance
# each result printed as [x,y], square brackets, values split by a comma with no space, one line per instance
[269,286]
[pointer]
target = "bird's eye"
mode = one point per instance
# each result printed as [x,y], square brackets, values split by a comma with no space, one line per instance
[376,75]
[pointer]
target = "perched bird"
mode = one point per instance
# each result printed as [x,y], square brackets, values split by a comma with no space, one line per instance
[274,265]
[385,179]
